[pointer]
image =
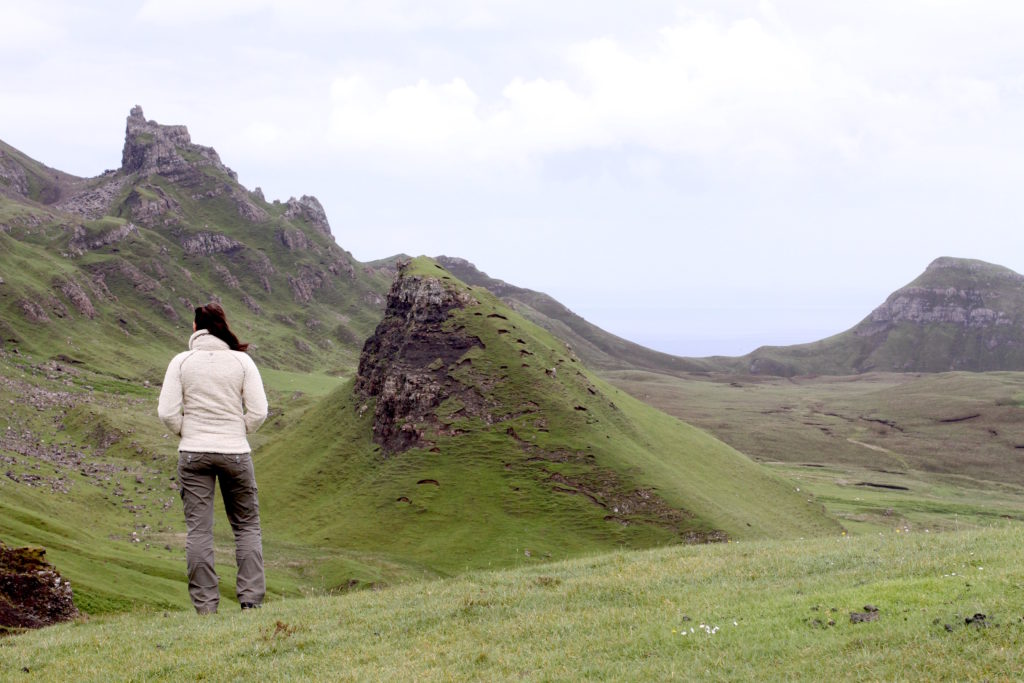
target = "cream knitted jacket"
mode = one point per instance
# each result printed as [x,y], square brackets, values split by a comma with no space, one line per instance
[212,397]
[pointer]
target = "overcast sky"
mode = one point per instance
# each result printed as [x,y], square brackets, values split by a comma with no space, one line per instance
[700,177]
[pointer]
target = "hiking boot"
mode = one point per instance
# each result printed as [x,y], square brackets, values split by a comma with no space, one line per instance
[251,605]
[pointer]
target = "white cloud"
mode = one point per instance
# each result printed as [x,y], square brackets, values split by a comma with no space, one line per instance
[749,93]
[180,12]
[702,88]
[29,26]
[315,16]
[419,119]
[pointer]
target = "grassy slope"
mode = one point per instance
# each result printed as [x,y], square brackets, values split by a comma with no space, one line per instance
[99,475]
[766,611]
[45,184]
[325,481]
[600,350]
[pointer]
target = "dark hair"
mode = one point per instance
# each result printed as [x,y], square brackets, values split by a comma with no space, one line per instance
[212,319]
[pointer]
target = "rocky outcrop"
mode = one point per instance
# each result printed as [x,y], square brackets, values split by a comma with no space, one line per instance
[121,270]
[404,365]
[971,295]
[308,209]
[152,207]
[32,593]
[226,276]
[166,150]
[305,283]
[293,239]
[13,179]
[207,243]
[924,305]
[97,197]
[83,240]
[248,210]
[33,311]
[79,299]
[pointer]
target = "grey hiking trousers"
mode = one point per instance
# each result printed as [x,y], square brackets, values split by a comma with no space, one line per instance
[197,474]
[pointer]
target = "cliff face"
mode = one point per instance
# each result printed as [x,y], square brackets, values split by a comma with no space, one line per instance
[959,292]
[404,365]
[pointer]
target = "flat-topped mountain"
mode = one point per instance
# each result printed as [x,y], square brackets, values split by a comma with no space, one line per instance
[960,314]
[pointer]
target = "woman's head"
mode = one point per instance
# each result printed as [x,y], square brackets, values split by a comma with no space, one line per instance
[211,318]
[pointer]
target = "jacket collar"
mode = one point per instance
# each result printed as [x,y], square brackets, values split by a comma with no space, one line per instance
[202,340]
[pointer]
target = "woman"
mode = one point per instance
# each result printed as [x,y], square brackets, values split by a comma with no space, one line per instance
[212,397]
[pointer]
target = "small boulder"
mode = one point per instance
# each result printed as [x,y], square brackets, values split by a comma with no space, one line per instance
[32,593]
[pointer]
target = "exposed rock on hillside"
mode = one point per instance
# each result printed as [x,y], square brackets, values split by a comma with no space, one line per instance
[310,210]
[956,301]
[207,243]
[151,206]
[32,593]
[464,394]
[404,365]
[12,175]
[82,240]
[93,199]
[167,150]
[74,292]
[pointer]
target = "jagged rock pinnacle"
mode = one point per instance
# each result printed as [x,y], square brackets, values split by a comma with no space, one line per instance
[150,147]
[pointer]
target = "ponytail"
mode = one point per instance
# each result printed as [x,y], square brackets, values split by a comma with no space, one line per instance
[211,318]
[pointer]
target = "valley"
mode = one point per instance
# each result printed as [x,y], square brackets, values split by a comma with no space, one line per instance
[447,454]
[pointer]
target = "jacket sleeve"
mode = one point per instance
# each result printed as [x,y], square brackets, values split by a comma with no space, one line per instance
[254,398]
[169,407]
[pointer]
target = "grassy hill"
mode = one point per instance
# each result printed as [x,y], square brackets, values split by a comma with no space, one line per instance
[764,611]
[98,281]
[526,455]
[98,278]
[472,439]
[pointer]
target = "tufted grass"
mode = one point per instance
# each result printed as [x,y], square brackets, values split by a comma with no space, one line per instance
[764,610]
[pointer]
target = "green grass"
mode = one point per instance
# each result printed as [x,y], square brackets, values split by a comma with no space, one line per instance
[764,610]
[312,384]
[844,438]
[341,515]
[100,496]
